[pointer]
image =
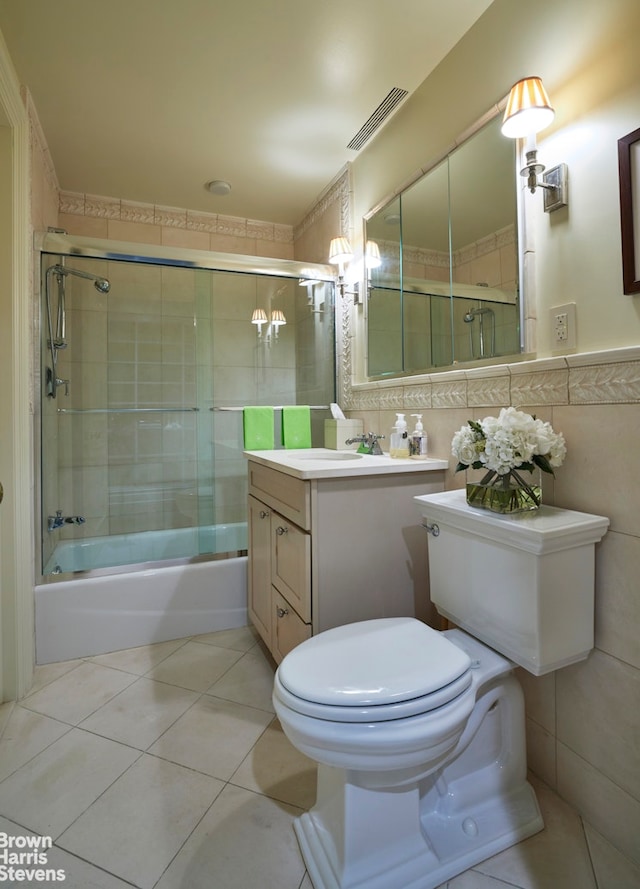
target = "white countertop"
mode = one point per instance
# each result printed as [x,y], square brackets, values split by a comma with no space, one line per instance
[309,463]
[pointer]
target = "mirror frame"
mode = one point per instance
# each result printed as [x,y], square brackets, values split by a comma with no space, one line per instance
[522,273]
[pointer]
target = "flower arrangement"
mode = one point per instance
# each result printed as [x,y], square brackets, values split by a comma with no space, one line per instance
[502,445]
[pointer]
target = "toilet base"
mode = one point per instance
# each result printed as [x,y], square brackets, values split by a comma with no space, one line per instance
[417,834]
[437,850]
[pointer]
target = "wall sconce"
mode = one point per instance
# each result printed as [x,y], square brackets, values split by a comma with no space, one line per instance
[340,253]
[277,320]
[528,112]
[372,258]
[259,318]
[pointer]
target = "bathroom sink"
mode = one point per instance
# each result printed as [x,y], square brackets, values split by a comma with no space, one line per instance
[334,455]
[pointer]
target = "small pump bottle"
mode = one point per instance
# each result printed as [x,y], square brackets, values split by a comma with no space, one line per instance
[399,444]
[418,440]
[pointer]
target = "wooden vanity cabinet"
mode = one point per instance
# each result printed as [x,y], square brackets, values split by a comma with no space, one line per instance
[329,551]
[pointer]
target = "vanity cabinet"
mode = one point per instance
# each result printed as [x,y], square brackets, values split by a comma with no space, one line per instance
[326,551]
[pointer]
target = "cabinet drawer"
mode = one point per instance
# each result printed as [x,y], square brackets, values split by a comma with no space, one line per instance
[289,495]
[291,564]
[288,630]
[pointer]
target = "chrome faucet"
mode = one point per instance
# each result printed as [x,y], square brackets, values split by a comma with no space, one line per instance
[58,520]
[369,443]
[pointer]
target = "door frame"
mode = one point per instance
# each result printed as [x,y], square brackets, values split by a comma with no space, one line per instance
[17,644]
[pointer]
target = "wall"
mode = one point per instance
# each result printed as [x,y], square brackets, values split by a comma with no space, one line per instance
[583,722]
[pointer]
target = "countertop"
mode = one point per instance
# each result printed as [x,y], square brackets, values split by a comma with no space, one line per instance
[310,463]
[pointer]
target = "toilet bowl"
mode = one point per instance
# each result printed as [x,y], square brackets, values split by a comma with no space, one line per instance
[419,734]
[420,744]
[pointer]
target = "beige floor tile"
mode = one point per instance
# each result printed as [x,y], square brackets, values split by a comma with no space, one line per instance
[613,870]
[249,682]
[472,879]
[57,785]
[46,673]
[140,713]
[26,734]
[245,841]
[195,666]
[80,874]
[275,768]
[72,697]
[240,639]
[556,857]
[306,883]
[142,820]
[213,737]
[75,874]
[139,660]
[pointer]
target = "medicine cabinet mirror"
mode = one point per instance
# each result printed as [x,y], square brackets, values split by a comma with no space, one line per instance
[447,290]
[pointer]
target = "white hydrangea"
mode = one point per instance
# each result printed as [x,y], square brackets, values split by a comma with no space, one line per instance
[511,440]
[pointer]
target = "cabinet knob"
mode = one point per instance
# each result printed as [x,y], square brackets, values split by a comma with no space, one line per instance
[280,530]
[282,612]
[263,514]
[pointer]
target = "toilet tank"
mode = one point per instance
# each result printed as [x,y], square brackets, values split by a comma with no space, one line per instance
[523,584]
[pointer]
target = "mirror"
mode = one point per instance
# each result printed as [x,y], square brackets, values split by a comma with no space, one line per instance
[446,291]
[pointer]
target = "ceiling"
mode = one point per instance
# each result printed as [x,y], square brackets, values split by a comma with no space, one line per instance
[149,100]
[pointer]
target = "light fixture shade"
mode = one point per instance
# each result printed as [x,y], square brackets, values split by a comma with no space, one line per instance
[278,318]
[528,109]
[372,255]
[259,317]
[340,251]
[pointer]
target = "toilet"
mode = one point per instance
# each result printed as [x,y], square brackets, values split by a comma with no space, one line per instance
[419,734]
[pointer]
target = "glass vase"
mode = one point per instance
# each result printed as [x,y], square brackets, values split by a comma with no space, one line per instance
[513,492]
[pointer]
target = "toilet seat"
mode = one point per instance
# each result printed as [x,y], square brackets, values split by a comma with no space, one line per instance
[373,671]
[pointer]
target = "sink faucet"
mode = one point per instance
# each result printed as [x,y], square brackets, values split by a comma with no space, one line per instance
[369,443]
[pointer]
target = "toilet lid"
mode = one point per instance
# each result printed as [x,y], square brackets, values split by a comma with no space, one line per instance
[372,663]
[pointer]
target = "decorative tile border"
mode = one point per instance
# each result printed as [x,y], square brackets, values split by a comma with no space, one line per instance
[102,207]
[593,378]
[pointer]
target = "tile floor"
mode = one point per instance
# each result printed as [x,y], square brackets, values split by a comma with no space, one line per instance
[164,767]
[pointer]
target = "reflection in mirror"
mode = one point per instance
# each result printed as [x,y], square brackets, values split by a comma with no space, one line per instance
[447,289]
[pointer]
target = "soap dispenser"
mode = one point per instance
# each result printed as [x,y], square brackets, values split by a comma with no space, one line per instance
[399,443]
[418,440]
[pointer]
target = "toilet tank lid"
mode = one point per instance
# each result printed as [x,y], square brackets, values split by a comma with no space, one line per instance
[372,662]
[549,529]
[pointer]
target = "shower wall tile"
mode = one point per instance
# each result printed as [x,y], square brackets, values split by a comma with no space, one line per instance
[88,332]
[138,232]
[82,440]
[178,291]
[181,237]
[83,491]
[85,226]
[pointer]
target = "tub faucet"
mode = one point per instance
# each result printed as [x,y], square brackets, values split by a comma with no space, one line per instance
[58,520]
[369,443]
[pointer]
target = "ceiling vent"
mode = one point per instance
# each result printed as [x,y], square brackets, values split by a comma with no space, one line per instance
[382,112]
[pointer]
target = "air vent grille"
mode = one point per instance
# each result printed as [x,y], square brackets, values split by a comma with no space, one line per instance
[382,112]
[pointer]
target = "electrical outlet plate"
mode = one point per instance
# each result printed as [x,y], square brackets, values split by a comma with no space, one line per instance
[557,196]
[563,327]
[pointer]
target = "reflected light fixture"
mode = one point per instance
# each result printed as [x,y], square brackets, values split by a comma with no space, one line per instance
[340,253]
[277,319]
[372,258]
[259,318]
[528,112]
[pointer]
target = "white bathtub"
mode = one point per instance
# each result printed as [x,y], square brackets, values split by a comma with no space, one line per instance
[96,613]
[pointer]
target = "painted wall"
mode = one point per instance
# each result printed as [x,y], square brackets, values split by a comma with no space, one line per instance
[583,722]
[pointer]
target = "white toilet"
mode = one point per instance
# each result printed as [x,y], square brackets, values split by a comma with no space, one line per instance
[419,734]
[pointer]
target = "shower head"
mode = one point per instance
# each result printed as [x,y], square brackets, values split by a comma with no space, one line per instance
[101,284]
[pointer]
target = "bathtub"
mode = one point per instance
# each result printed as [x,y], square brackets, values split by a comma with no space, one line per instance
[94,612]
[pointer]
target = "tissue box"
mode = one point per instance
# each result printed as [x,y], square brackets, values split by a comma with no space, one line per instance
[336,432]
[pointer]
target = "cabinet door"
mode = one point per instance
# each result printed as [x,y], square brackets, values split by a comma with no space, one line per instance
[287,628]
[291,564]
[259,605]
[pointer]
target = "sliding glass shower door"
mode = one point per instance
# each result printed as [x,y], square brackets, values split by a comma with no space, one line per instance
[142,390]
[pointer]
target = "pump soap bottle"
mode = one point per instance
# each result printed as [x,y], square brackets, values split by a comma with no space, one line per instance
[418,440]
[399,443]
